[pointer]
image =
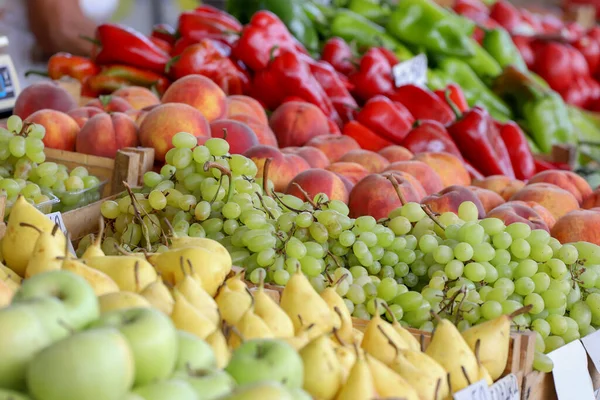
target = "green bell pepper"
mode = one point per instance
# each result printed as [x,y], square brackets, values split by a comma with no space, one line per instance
[498,43]
[422,22]
[483,63]
[437,79]
[373,10]
[548,121]
[476,92]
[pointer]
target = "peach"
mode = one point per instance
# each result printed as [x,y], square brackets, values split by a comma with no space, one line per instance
[163,122]
[375,195]
[567,180]
[557,200]
[372,161]
[313,156]
[542,211]
[424,173]
[61,129]
[262,131]
[295,123]
[349,185]
[334,146]
[283,167]
[501,184]
[246,105]
[489,199]
[577,226]
[43,95]
[199,92]
[82,114]
[593,200]
[239,136]
[396,153]
[110,103]
[449,168]
[350,170]
[515,211]
[316,180]
[450,198]
[141,114]
[104,134]
[138,97]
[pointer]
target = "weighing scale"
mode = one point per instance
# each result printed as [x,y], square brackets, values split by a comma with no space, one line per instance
[9,81]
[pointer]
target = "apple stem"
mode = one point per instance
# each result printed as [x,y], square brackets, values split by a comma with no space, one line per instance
[464,371]
[68,327]
[31,226]
[396,186]
[389,340]
[262,201]
[306,196]
[283,204]
[224,171]
[265,182]
[427,209]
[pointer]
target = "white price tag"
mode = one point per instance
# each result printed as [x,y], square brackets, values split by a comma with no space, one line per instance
[476,391]
[506,388]
[571,376]
[57,218]
[592,345]
[411,72]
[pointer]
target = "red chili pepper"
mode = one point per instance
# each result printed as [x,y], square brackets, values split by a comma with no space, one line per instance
[339,54]
[65,64]
[456,95]
[102,84]
[423,104]
[198,25]
[429,135]
[578,93]
[475,10]
[373,77]
[164,45]
[123,45]
[222,16]
[266,89]
[506,15]
[265,37]
[543,165]
[518,149]
[205,58]
[480,143]
[137,77]
[590,49]
[165,32]
[392,121]
[390,56]
[366,138]
[523,43]
[554,62]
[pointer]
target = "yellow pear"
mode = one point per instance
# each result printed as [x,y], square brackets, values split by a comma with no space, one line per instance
[357,336]
[495,337]
[130,273]
[50,248]
[19,240]
[6,294]
[426,375]
[218,342]
[408,337]
[232,304]
[448,348]
[210,266]
[120,300]
[191,289]
[298,341]
[159,296]
[388,383]
[360,383]
[98,280]
[322,371]
[236,282]
[95,248]
[305,307]
[346,356]
[342,320]
[10,277]
[180,242]
[250,326]
[276,319]
[189,319]
[381,339]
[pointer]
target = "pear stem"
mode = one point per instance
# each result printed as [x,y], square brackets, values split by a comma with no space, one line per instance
[477,348]
[31,226]
[389,340]
[449,382]
[265,176]
[438,386]
[98,240]
[389,310]
[136,273]
[189,262]
[337,336]
[520,311]
[251,297]
[422,342]
[464,371]
[237,332]
[68,327]
[396,186]
[55,229]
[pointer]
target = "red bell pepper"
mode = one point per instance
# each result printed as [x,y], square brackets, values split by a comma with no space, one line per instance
[206,58]
[339,54]
[590,49]
[429,135]
[506,15]
[518,149]
[165,32]
[423,104]
[137,77]
[220,15]
[456,96]
[523,43]
[366,138]
[123,45]
[556,64]
[475,10]
[390,120]
[65,64]
[481,144]
[390,56]
[543,165]
[202,24]
[162,44]
[262,39]
[373,77]
[579,92]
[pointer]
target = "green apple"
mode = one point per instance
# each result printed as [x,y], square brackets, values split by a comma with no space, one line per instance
[132,396]
[209,385]
[163,390]
[300,394]
[266,390]
[152,338]
[260,360]
[93,364]
[76,294]
[52,313]
[10,395]
[22,335]
[194,353]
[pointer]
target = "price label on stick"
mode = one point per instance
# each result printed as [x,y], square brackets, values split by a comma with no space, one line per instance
[411,72]
[571,376]
[506,388]
[57,218]
[476,391]
[592,345]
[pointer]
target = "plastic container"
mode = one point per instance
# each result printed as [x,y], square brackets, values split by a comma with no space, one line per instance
[80,198]
[45,206]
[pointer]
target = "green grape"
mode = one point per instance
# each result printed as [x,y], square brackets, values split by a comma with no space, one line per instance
[483,252]
[368,238]
[375,306]
[568,254]
[411,242]
[356,294]
[109,209]
[347,238]
[231,210]
[218,147]
[499,294]
[520,248]
[295,248]
[541,253]
[151,179]
[542,327]
[491,309]
[454,269]
[90,182]
[492,226]
[554,298]
[558,269]
[36,131]
[467,211]
[318,232]
[31,190]
[405,255]
[387,289]
[413,212]
[536,301]
[409,301]
[463,251]
[157,200]
[314,249]
[553,342]
[474,272]
[581,313]
[187,202]
[202,210]
[304,219]
[593,302]
[47,169]
[541,281]
[132,235]
[74,183]
[281,277]
[443,254]
[543,363]
[428,243]
[526,268]
[473,234]
[184,140]
[14,123]
[558,324]
[587,279]
[502,240]
[401,269]
[213,225]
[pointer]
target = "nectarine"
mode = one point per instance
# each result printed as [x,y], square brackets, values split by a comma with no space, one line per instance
[295,123]
[199,92]
[61,129]
[316,180]
[239,136]
[334,146]
[104,134]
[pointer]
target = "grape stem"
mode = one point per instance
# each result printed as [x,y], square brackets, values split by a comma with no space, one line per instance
[262,201]
[224,171]
[306,196]
[462,290]
[137,214]
[265,177]
[283,204]
[396,186]
[427,209]
[330,254]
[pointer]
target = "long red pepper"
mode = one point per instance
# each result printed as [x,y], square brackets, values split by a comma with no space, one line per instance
[456,96]
[339,54]
[429,135]
[423,104]
[390,120]
[518,149]
[374,75]
[366,138]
